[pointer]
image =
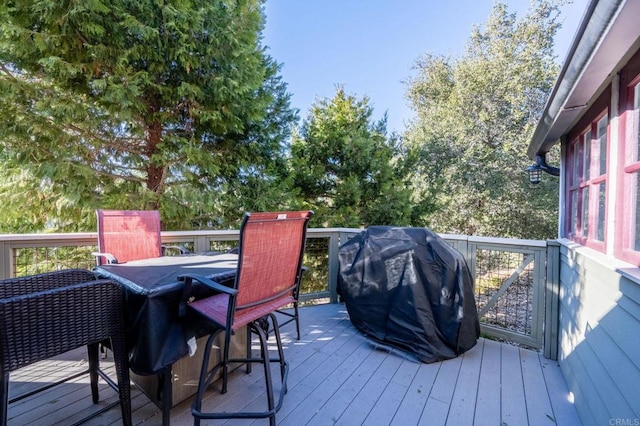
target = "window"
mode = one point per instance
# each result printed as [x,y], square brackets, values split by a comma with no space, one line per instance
[587,184]
[628,234]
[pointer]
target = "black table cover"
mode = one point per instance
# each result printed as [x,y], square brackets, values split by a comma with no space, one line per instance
[408,288]
[157,336]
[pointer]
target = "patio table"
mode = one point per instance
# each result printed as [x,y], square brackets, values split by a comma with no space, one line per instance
[156,335]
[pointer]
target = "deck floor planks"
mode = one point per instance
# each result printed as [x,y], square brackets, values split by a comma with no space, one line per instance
[463,402]
[436,410]
[311,363]
[412,406]
[331,410]
[310,376]
[488,401]
[563,409]
[360,407]
[514,407]
[338,372]
[304,357]
[387,405]
[539,408]
[339,377]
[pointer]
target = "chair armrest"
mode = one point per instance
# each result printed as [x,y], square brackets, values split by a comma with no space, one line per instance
[110,258]
[186,291]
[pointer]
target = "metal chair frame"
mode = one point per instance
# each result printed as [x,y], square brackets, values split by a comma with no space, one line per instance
[295,316]
[254,312]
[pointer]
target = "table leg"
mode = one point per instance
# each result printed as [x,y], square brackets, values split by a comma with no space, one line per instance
[167,398]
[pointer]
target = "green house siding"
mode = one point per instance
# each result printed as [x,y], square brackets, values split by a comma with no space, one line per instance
[599,346]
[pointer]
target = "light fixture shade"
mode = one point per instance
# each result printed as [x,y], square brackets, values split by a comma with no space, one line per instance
[535,174]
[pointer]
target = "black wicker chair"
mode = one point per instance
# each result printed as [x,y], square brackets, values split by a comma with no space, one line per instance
[48,314]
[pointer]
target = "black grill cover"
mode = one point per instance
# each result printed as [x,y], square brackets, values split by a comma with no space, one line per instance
[408,288]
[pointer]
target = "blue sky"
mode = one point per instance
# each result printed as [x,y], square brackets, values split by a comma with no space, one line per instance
[370,46]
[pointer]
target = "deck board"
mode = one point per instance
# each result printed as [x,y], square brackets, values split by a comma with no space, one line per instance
[412,406]
[539,408]
[337,376]
[463,402]
[488,401]
[514,408]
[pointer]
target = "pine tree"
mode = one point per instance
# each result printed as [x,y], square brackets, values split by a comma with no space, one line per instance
[133,104]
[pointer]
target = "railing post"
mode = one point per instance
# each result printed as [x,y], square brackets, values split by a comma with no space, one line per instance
[469,253]
[552,300]
[5,260]
[334,267]
[201,244]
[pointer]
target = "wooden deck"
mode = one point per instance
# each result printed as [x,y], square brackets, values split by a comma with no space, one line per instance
[339,377]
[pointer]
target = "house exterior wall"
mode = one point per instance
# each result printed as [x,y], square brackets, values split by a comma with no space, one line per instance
[599,344]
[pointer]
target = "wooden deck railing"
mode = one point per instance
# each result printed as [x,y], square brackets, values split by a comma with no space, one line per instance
[516,281]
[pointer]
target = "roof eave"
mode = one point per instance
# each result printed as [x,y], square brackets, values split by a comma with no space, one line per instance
[604,36]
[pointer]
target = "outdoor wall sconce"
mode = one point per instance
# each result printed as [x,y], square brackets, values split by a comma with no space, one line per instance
[535,170]
[535,174]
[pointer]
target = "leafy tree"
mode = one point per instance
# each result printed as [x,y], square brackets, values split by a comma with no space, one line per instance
[346,169]
[474,119]
[136,104]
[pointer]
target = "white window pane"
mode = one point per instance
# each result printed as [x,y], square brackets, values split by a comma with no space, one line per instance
[574,212]
[576,163]
[601,209]
[585,211]
[587,155]
[632,141]
[602,143]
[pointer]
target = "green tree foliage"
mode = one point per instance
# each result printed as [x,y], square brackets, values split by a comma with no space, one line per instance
[346,168]
[474,119]
[164,104]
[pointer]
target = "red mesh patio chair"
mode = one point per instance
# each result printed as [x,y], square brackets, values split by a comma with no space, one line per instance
[269,267]
[45,315]
[290,313]
[126,235]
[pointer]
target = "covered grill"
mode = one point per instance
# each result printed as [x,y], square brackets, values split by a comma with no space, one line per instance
[408,288]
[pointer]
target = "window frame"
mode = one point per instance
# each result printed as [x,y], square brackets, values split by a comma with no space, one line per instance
[582,187]
[627,205]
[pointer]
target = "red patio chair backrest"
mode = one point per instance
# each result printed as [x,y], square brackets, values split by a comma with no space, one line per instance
[271,251]
[129,234]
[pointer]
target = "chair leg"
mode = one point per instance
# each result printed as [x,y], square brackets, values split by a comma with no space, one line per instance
[205,379]
[264,349]
[248,365]
[225,360]
[119,350]
[281,360]
[297,317]
[92,354]
[4,398]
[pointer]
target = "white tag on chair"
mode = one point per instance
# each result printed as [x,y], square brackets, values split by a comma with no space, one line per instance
[282,216]
[193,346]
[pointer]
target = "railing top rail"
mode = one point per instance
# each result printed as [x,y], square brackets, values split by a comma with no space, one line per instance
[81,236]
[70,236]
[495,240]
